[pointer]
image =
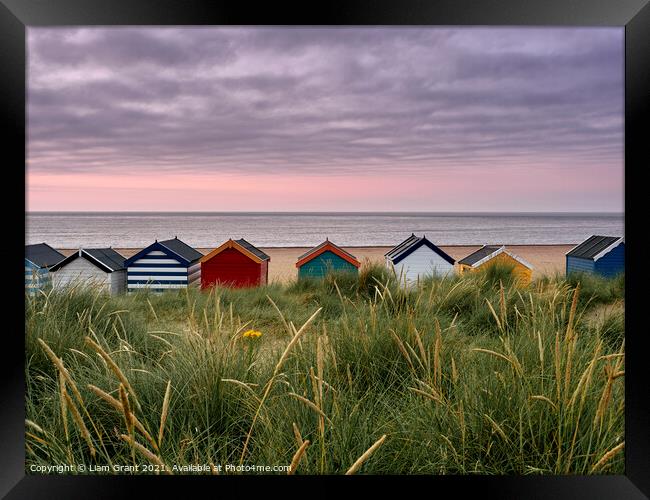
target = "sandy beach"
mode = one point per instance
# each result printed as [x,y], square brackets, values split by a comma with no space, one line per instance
[546,259]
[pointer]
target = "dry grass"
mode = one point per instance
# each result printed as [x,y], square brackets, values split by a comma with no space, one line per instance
[451,376]
[360,461]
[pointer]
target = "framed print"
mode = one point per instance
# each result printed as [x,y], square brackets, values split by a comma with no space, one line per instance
[386,241]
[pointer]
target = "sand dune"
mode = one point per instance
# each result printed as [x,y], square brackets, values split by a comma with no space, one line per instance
[547,259]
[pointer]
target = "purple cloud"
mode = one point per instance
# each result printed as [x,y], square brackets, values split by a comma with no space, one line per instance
[376,100]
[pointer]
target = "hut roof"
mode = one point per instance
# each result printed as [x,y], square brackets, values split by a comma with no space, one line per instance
[480,254]
[42,255]
[410,245]
[325,246]
[253,249]
[595,247]
[107,256]
[107,259]
[182,249]
[487,252]
[403,245]
[242,246]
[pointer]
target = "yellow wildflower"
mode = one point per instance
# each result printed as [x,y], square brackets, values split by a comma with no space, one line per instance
[252,334]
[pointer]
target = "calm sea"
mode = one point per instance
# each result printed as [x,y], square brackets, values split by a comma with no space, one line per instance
[73,230]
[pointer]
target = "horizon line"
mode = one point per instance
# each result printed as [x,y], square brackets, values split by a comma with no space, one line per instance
[343,212]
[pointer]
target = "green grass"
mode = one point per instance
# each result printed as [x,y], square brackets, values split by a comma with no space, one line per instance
[463,375]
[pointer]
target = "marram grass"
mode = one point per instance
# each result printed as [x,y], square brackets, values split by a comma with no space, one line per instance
[463,375]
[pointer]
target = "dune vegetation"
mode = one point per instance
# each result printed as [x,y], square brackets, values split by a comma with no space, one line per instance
[351,374]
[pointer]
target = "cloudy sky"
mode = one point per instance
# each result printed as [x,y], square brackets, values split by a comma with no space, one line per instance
[389,119]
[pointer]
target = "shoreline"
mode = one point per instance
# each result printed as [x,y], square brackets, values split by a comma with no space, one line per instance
[262,247]
[547,259]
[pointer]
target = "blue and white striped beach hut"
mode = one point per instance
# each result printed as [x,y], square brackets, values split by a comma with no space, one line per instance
[38,260]
[164,265]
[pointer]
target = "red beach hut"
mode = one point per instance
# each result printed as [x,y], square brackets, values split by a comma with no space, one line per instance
[237,264]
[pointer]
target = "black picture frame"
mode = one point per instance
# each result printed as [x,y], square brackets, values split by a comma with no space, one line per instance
[634,15]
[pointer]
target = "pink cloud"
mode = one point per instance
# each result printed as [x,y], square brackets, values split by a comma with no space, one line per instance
[526,188]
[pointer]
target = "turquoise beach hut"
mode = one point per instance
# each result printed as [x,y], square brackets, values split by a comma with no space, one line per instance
[324,258]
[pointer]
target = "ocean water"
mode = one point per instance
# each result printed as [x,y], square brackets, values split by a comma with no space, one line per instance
[207,230]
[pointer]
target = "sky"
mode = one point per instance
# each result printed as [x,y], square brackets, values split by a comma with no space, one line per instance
[325,119]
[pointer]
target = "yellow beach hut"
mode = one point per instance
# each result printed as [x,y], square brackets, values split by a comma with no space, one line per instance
[489,255]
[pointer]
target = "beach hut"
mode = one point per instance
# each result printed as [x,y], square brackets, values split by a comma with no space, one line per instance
[602,255]
[324,258]
[164,265]
[416,257]
[39,258]
[92,267]
[236,263]
[489,255]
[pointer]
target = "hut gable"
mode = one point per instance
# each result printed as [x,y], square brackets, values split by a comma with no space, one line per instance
[236,263]
[106,259]
[327,246]
[410,245]
[240,245]
[156,253]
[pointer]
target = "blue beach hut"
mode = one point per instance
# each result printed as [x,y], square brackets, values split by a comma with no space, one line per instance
[602,255]
[38,260]
[164,265]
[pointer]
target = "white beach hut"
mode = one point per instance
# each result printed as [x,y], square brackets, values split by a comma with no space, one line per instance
[416,258]
[91,267]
